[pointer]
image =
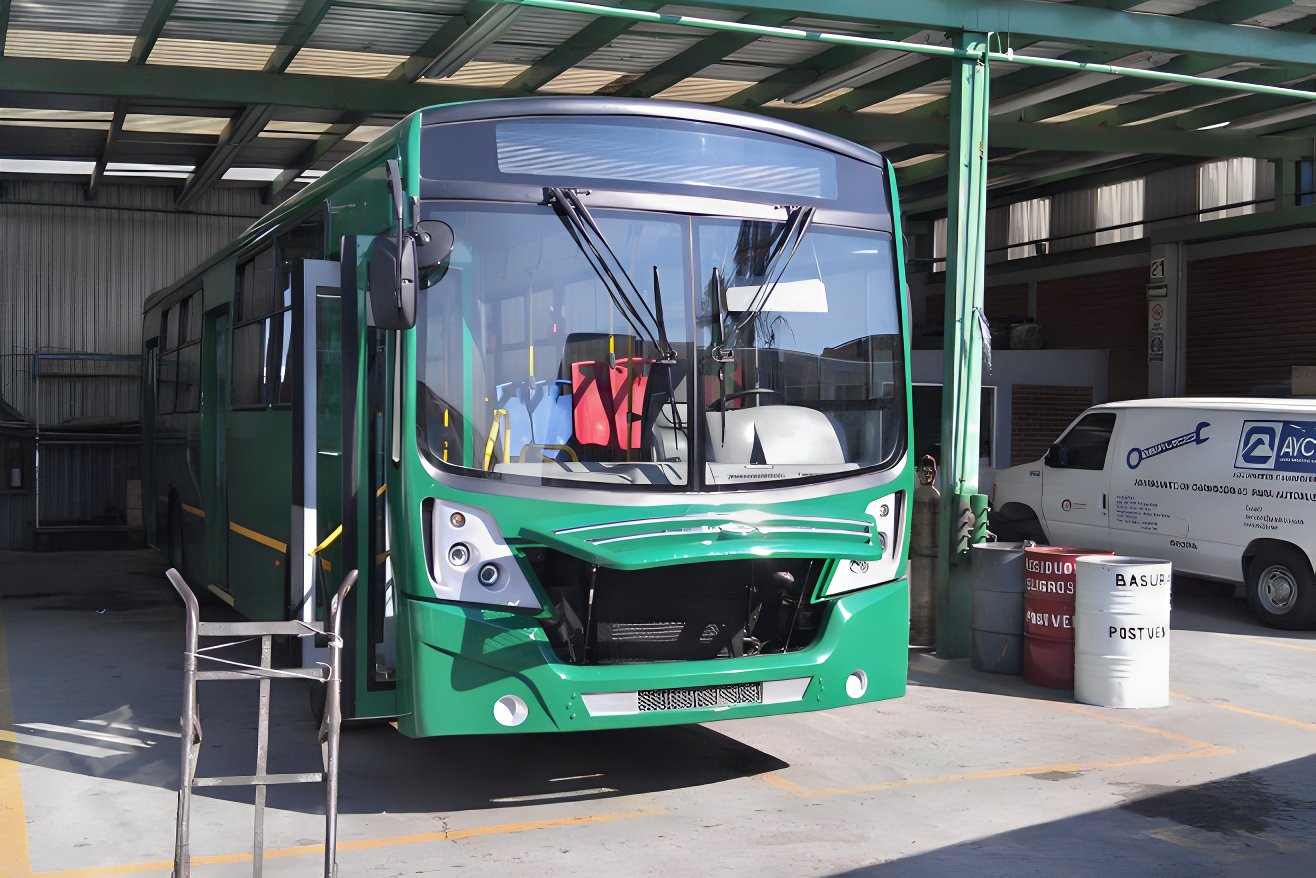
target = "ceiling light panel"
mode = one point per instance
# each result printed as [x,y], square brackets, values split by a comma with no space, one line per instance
[44,166]
[382,31]
[67,45]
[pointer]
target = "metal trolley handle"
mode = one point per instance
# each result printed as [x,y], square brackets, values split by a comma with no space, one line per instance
[329,675]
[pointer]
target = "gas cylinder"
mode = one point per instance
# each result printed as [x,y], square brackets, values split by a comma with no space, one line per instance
[923,557]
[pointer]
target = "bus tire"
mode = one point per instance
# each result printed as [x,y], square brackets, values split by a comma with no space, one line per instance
[1281,592]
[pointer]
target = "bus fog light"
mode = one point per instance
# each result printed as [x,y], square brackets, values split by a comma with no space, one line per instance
[459,554]
[856,684]
[510,711]
[489,575]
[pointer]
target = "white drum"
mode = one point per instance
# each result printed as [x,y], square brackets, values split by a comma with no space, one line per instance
[1122,631]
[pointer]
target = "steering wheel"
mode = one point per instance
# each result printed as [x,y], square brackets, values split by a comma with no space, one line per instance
[718,404]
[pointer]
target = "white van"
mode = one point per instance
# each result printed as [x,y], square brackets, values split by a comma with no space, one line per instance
[1224,489]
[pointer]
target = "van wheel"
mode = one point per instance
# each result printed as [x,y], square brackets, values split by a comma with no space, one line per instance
[1280,589]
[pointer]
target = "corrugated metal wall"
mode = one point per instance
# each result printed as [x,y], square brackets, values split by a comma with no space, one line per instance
[75,274]
[73,277]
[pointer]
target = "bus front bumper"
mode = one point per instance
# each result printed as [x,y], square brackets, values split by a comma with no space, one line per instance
[482,672]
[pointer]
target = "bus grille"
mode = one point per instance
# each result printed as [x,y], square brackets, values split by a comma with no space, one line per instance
[700,696]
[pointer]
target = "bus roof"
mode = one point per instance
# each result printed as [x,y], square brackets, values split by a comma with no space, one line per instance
[496,108]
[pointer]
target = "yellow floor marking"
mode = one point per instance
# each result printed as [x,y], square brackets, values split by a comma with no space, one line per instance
[1282,645]
[259,537]
[1179,696]
[14,856]
[197,511]
[1270,716]
[362,844]
[1197,750]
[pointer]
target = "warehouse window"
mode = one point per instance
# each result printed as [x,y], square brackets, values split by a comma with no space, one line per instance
[1118,206]
[1030,227]
[1230,185]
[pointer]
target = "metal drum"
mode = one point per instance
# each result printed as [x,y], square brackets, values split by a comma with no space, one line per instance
[1049,615]
[997,572]
[1122,631]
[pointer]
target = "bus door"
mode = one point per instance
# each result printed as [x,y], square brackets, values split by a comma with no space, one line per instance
[214,492]
[352,408]
[316,508]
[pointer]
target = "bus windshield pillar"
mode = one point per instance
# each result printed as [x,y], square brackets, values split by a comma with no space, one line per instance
[962,369]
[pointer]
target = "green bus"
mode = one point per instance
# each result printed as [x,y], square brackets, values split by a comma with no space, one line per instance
[607,400]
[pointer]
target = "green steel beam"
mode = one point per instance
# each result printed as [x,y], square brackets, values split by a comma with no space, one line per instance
[1058,21]
[254,117]
[152,25]
[411,69]
[316,151]
[875,127]
[707,51]
[296,34]
[966,192]
[793,77]
[581,45]
[111,138]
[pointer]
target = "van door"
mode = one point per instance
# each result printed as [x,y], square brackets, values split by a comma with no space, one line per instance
[1076,482]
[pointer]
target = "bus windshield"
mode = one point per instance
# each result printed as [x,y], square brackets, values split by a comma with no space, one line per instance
[780,358]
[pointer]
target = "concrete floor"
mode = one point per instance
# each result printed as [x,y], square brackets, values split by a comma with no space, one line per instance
[970,774]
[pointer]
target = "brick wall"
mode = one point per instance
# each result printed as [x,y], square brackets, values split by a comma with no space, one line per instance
[1038,414]
[1106,310]
[1251,319]
[1007,300]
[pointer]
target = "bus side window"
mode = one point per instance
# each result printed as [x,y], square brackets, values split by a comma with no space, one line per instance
[257,334]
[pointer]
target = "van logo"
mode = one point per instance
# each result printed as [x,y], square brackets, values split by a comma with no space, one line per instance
[1279,446]
[1257,447]
[1137,455]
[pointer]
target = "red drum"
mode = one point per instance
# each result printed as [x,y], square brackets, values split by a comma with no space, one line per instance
[1049,615]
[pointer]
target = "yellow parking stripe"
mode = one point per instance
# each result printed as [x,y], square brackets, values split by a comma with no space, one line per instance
[363,844]
[250,534]
[199,513]
[14,862]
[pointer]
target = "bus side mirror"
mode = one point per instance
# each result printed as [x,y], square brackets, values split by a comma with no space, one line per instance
[434,241]
[392,282]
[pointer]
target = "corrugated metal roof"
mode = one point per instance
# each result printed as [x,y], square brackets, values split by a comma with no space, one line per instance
[701,90]
[238,21]
[67,45]
[123,17]
[385,31]
[331,62]
[207,53]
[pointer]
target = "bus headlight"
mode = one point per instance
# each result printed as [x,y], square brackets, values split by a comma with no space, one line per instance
[470,561]
[850,575]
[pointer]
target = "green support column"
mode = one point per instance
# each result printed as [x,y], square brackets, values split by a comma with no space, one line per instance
[962,370]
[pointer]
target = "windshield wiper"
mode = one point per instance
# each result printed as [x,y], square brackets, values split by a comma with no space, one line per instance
[592,243]
[793,231]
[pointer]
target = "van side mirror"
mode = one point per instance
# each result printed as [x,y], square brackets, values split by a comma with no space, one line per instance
[392,282]
[1057,456]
